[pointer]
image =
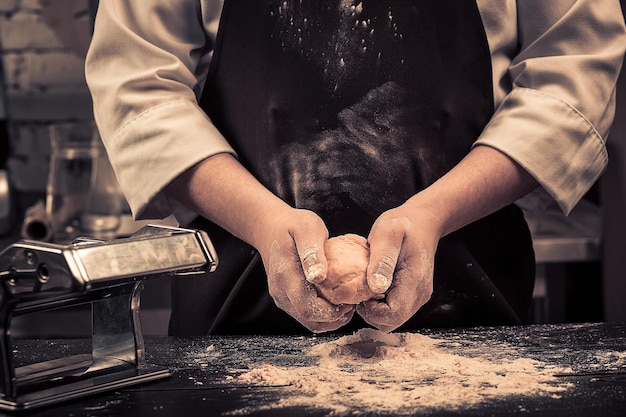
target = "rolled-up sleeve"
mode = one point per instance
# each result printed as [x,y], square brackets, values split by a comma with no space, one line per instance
[145,69]
[556,116]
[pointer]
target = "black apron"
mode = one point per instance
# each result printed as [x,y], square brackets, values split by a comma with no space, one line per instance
[348,108]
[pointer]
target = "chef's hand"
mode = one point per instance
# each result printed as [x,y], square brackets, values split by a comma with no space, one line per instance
[294,259]
[402,250]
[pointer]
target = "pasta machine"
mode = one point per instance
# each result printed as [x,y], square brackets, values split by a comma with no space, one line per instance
[39,276]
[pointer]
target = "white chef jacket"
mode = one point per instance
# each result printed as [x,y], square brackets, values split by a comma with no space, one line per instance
[554,63]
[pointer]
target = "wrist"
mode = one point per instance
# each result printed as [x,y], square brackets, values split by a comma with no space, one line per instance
[428,214]
[267,220]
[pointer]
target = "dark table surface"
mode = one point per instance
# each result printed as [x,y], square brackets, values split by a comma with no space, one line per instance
[587,361]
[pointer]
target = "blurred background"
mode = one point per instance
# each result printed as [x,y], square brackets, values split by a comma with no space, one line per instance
[581,258]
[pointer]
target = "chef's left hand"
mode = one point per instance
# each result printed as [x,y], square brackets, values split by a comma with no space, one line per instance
[402,249]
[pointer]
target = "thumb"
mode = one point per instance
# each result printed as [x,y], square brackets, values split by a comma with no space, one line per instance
[313,262]
[309,240]
[384,252]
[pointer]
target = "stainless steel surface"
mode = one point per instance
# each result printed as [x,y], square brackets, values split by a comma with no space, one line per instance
[573,238]
[40,276]
[39,270]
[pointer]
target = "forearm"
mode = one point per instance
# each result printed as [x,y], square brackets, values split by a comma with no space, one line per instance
[221,190]
[483,182]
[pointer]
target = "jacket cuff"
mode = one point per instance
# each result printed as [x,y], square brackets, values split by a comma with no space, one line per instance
[551,140]
[183,136]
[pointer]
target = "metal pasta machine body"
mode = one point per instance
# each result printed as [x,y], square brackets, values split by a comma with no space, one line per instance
[39,276]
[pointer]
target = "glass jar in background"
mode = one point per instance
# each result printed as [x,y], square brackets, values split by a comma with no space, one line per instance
[103,206]
[82,195]
[72,157]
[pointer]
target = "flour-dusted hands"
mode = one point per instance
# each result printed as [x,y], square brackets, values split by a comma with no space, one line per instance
[293,255]
[402,250]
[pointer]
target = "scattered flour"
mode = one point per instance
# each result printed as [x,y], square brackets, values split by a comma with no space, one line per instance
[404,373]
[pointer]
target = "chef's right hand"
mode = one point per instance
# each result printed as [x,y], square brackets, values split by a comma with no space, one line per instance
[293,255]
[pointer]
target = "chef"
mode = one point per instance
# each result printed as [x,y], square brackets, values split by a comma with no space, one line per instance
[422,126]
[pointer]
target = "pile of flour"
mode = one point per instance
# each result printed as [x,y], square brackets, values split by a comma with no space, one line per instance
[404,373]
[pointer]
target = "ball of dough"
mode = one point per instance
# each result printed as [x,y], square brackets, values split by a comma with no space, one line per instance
[346,280]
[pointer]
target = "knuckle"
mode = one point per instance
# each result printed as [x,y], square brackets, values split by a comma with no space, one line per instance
[307,218]
[312,266]
[395,223]
[386,265]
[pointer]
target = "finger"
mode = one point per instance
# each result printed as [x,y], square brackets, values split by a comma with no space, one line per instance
[314,263]
[309,239]
[381,276]
[310,307]
[321,316]
[293,294]
[320,327]
[387,314]
[385,247]
[380,315]
[406,296]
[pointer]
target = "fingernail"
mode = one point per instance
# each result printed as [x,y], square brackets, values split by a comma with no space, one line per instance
[381,282]
[313,270]
[314,273]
